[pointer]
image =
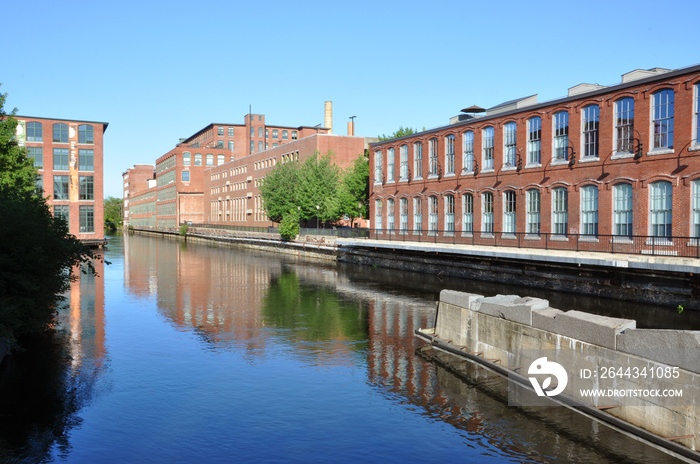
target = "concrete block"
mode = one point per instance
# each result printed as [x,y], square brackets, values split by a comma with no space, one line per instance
[589,328]
[677,348]
[545,318]
[461,299]
[510,307]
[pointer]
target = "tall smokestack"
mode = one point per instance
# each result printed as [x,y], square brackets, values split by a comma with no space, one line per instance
[328,120]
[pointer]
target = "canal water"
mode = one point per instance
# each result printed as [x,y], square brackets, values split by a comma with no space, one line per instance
[195,353]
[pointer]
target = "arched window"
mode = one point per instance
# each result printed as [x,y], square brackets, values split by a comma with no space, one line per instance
[661,209]
[468,149]
[662,119]
[417,160]
[467,213]
[390,215]
[378,215]
[390,165]
[560,211]
[589,210]
[510,150]
[533,212]
[450,154]
[487,156]
[534,140]
[417,216]
[560,138]
[403,215]
[432,157]
[590,117]
[35,132]
[85,134]
[403,168]
[509,210]
[624,125]
[432,214]
[378,166]
[487,212]
[622,210]
[449,213]
[60,132]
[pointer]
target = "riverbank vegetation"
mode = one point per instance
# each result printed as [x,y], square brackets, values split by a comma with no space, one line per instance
[315,189]
[113,211]
[37,253]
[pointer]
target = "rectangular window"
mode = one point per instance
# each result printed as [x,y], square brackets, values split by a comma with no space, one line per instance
[230,145]
[561,136]
[487,161]
[663,119]
[185,176]
[186,159]
[85,134]
[284,134]
[390,165]
[260,145]
[260,132]
[487,213]
[60,159]
[509,206]
[62,212]
[560,211]
[417,216]
[432,214]
[230,131]
[86,187]
[696,208]
[197,159]
[624,125]
[39,185]
[510,151]
[294,135]
[220,130]
[589,210]
[696,119]
[378,167]
[252,146]
[533,212]
[450,154]
[35,132]
[378,215]
[589,127]
[403,169]
[661,203]
[274,133]
[467,213]
[534,140]
[60,187]
[449,213]
[390,215]
[86,160]
[87,219]
[468,149]
[418,160]
[432,157]
[403,211]
[220,159]
[60,132]
[622,210]
[210,159]
[252,132]
[36,154]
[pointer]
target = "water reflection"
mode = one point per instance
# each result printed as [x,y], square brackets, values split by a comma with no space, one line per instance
[43,388]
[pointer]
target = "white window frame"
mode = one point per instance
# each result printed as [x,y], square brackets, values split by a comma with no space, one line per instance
[533,211]
[432,157]
[510,147]
[450,154]
[695,222]
[403,215]
[623,134]
[662,120]
[487,150]
[560,211]
[623,210]
[449,214]
[417,216]
[378,215]
[589,210]
[403,168]
[390,173]
[534,141]
[378,167]
[509,212]
[390,219]
[487,213]
[432,214]
[560,137]
[590,132]
[417,160]
[468,151]
[661,209]
[467,213]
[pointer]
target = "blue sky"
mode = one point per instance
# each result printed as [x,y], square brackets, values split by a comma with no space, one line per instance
[158,71]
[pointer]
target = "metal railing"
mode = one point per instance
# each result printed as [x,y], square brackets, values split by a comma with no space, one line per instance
[682,247]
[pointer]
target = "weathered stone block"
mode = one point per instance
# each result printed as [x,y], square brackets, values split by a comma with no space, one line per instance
[677,348]
[461,299]
[510,307]
[589,328]
[545,318]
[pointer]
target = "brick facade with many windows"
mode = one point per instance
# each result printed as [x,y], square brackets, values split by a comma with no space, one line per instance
[68,154]
[603,164]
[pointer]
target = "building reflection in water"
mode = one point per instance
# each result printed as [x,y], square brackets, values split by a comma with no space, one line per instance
[254,303]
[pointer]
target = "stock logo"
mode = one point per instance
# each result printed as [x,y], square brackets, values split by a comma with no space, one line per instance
[551,369]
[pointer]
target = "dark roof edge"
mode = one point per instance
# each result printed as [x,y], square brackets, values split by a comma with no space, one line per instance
[17,116]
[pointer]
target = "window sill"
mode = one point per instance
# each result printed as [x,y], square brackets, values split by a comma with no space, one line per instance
[509,168]
[432,176]
[486,235]
[589,159]
[660,151]
[432,233]
[622,240]
[533,165]
[403,181]
[622,155]
[449,174]
[559,162]
[559,238]
[694,147]
[418,178]
[532,237]
[659,241]
[390,182]
[588,238]
[467,234]
[417,232]
[486,171]
[465,172]
[448,234]
[508,236]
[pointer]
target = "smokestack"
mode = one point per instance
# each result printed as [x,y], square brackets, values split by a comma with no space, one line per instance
[351,128]
[328,120]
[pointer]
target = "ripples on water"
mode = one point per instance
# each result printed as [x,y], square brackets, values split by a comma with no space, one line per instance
[194,353]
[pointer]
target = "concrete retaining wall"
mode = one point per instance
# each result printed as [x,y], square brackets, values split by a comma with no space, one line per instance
[516,331]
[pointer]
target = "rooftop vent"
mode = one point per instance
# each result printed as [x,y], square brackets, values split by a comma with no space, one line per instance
[584,88]
[642,73]
[512,105]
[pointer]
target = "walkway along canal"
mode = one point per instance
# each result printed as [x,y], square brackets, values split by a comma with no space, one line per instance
[203,352]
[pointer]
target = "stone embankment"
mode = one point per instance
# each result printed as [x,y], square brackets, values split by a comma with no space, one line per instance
[597,352]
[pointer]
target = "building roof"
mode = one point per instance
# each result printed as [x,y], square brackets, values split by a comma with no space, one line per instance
[105,124]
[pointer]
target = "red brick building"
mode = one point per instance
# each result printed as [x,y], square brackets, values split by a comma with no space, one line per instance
[231,191]
[68,154]
[602,165]
[136,180]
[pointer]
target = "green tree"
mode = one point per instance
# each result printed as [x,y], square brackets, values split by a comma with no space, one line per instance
[114,212]
[355,189]
[318,188]
[401,132]
[16,170]
[37,252]
[279,190]
[289,227]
